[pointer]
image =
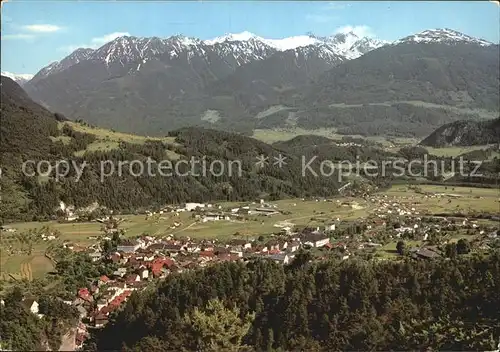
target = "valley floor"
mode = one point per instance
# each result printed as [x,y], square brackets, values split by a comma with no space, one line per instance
[23,257]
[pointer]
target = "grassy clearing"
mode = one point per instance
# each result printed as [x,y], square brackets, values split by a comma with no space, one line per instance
[471,199]
[302,213]
[98,146]
[454,151]
[285,134]
[108,139]
[276,135]
[40,265]
[105,134]
[389,250]
[482,113]
[25,266]
[63,139]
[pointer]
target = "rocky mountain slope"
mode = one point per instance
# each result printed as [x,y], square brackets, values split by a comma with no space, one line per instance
[465,133]
[237,82]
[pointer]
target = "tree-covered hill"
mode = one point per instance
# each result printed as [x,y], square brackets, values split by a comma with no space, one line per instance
[325,306]
[464,133]
[29,132]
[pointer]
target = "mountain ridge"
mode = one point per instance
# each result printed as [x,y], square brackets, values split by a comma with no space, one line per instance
[336,43]
[153,85]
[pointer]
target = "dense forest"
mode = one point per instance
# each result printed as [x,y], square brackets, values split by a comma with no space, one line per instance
[355,305]
[22,330]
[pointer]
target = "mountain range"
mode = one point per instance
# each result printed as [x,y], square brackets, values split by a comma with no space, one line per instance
[240,82]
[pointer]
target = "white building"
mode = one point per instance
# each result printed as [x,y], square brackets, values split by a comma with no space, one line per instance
[193,206]
[330,227]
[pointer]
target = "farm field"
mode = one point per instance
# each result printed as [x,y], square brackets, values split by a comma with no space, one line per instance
[24,266]
[468,199]
[297,212]
[454,151]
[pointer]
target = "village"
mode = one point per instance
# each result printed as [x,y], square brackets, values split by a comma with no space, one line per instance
[392,228]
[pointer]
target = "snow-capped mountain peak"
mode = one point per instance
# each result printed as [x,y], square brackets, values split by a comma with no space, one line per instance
[238,49]
[127,49]
[20,78]
[277,44]
[442,35]
[346,44]
[232,37]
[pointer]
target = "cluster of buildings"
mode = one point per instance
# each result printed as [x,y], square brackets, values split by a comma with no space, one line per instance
[146,259]
[206,212]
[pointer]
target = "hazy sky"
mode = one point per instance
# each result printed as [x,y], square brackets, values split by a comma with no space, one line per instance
[35,33]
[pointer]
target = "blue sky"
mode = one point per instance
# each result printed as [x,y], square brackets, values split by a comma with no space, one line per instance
[35,33]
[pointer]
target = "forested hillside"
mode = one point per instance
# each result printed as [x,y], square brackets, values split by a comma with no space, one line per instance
[322,306]
[30,132]
[463,133]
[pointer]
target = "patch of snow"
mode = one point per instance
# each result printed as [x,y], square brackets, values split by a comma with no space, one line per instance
[442,35]
[232,37]
[18,76]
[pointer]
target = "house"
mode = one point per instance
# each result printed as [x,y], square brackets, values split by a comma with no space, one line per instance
[103,280]
[214,217]
[156,247]
[31,305]
[158,264]
[425,253]
[129,246]
[132,278]
[264,211]
[315,239]
[241,243]
[80,339]
[330,227]
[193,206]
[120,272]
[273,245]
[238,253]
[7,229]
[207,255]
[95,256]
[115,257]
[84,294]
[100,320]
[293,246]
[281,258]
[173,247]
